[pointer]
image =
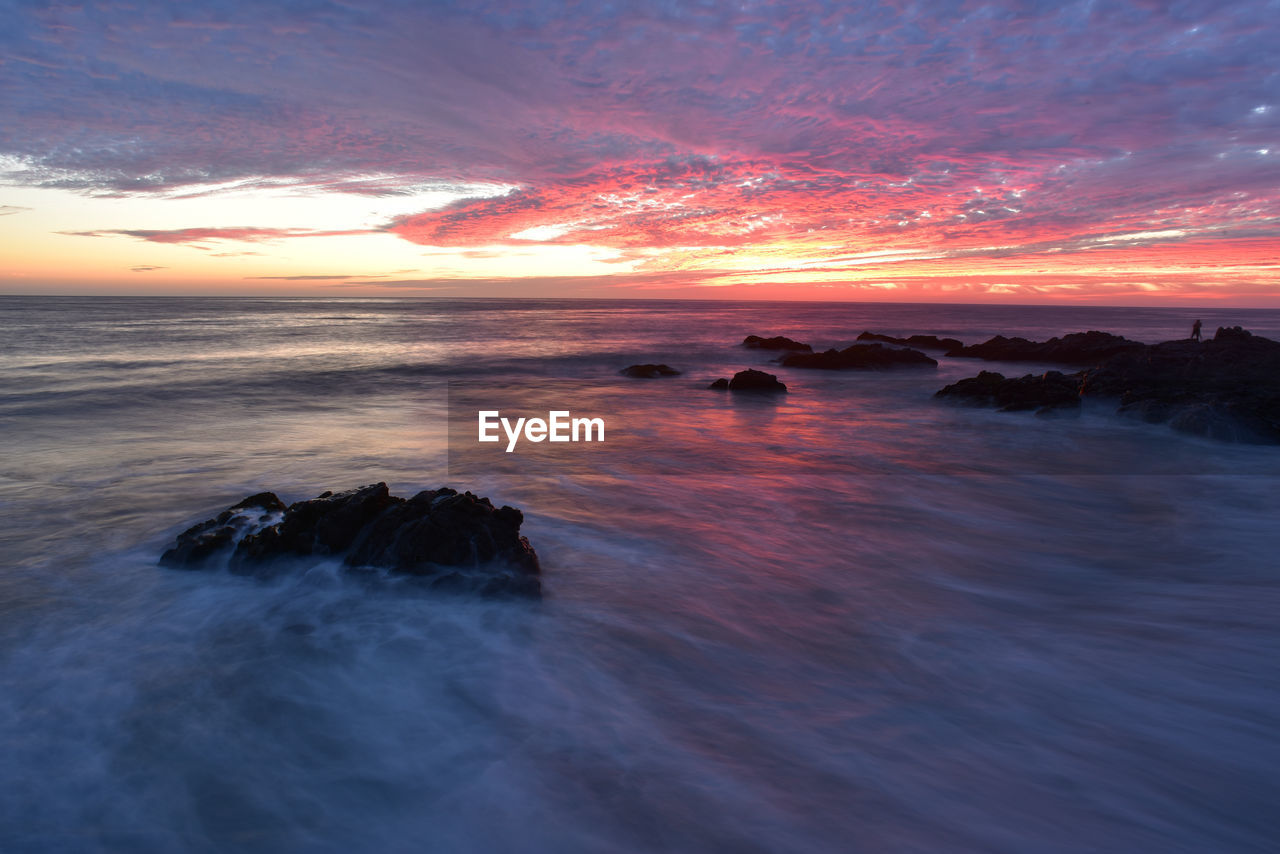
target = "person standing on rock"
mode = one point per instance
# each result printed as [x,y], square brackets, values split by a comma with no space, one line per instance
[1195,330]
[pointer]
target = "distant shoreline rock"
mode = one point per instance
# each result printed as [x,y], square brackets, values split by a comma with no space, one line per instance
[860,357]
[924,342]
[1226,388]
[750,380]
[648,372]
[1078,348]
[777,342]
[456,540]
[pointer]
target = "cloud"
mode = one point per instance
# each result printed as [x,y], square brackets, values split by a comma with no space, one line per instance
[146,268]
[196,236]
[10,210]
[669,132]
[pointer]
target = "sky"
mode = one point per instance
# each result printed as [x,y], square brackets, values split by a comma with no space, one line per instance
[1076,151]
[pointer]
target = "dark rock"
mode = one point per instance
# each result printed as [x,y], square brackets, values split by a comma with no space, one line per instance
[1078,348]
[1226,388]
[455,539]
[777,342]
[647,372]
[262,500]
[749,380]
[443,527]
[924,342]
[1236,335]
[860,357]
[198,543]
[1050,392]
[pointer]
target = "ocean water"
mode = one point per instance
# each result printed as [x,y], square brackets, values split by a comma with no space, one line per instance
[851,619]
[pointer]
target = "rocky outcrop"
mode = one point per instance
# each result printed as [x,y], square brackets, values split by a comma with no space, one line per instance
[1052,392]
[456,540]
[648,372]
[1078,348]
[777,342]
[200,542]
[924,342]
[750,380]
[1226,388]
[872,357]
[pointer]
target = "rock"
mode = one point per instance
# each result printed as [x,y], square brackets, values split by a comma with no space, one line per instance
[1078,348]
[924,342]
[1048,393]
[777,342]
[749,380]
[198,543]
[1226,388]
[325,525]
[860,357]
[1234,334]
[458,540]
[648,372]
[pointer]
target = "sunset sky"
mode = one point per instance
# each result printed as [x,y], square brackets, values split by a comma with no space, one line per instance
[1091,152]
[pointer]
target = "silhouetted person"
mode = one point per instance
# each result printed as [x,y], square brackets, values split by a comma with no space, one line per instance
[1195,330]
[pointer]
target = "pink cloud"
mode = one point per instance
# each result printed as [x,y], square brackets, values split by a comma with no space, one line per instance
[976,131]
[197,236]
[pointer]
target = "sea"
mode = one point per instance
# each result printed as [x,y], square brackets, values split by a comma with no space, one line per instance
[850,618]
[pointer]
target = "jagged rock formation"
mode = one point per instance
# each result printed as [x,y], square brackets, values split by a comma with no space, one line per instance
[1226,388]
[457,540]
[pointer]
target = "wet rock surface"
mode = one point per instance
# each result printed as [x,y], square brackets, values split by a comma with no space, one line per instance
[455,540]
[198,543]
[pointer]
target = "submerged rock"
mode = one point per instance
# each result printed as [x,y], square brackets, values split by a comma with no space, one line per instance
[1048,393]
[750,380]
[1078,348]
[777,342]
[872,357]
[458,540]
[924,342]
[648,372]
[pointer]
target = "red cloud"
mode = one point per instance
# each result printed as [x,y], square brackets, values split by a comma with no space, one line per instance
[775,205]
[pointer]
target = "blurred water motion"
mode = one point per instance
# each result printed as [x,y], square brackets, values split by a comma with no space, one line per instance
[846,619]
